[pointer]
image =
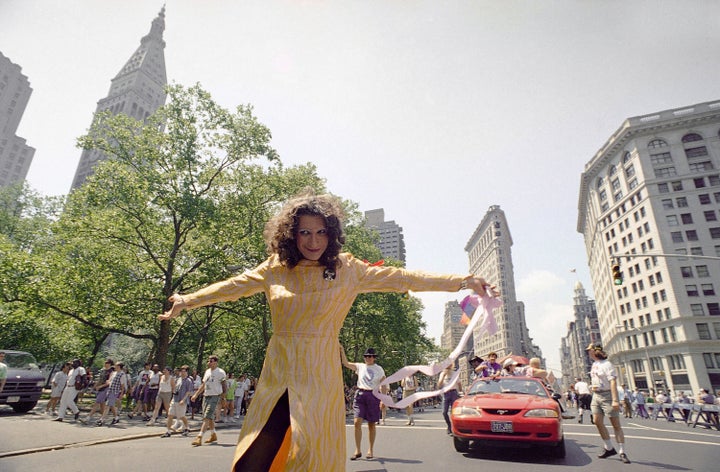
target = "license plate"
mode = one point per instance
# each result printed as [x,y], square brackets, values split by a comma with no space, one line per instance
[501,426]
[13,399]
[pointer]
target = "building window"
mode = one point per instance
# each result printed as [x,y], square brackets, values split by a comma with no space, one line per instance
[691,137]
[603,195]
[696,167]
[713,309]
[632,184]
[626,157]
[702,271]
[629,171]
[708,359]
[657,143]
[686,218]
[663,188]
[708,289]
[714,180]
[699,182]
[697,309]
[665,172]
[600,182]
[667,204]
[660,158]
[686,272]
[691,235]
[700,151]
[681,202]
[677,236]
[715,233]
[704,199]
[710,215]
[703,330]
[672,220]
[691,290]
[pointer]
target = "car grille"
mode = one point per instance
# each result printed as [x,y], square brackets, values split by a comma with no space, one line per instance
[501,411]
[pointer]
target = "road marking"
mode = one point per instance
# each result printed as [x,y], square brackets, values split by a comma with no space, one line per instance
[653,438]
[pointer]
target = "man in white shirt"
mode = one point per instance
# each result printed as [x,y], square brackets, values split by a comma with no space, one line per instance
[67,400]
[365,405]
[584,397]
[213,386]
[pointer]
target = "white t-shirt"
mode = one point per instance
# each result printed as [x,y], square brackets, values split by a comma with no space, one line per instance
[213,381]
[73,375]
[601,373]
[369,376]
[581,388]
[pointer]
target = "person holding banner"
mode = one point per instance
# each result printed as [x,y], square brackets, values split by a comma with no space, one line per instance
[297,419]
[449,383]
[366,406]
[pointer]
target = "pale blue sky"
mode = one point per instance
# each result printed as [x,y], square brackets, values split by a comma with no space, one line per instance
[432,110]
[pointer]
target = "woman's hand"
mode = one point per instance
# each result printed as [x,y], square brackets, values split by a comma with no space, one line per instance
[480,286]
[178,306]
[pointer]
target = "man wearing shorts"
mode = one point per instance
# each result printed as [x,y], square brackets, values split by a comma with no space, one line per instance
[117,385]
[584,397]
[178,407]
[365,405]
[605,401]
[213,386]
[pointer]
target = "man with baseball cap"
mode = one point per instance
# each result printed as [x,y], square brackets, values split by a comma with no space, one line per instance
[605,401]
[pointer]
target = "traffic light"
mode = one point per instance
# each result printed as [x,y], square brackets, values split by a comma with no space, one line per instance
[616,274]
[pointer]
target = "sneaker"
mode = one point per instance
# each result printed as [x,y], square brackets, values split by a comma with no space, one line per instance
[213,438]
[58,419]
[580,420]
[130,415]
[607,453]
[99,423]
[197,441]
[624,458]
[115,421]
[77,415]
[185,432]
[166,435]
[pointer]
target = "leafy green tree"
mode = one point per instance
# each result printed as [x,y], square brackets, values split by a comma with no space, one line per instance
[181,199]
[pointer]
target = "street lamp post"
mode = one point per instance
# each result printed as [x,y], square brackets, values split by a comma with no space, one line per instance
[404,356]
[650,376]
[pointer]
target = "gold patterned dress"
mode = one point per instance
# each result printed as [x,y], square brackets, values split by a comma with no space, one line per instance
[303,356]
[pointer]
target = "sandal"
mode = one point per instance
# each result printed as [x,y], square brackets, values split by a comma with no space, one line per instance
[370,456]
[355,456]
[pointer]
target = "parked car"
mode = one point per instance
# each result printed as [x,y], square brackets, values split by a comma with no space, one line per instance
[24,382]
[508,411]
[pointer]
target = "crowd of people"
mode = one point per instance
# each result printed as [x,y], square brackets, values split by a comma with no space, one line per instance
[149,395]
[639,403]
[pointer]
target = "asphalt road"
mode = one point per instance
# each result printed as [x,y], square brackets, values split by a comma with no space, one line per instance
[33,442]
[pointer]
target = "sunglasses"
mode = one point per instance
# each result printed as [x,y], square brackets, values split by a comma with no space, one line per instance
[368,355]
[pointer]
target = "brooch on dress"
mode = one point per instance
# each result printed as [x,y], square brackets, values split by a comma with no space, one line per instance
[329,274]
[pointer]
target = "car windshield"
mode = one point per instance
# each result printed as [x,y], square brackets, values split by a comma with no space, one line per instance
[524,385]
[20,360]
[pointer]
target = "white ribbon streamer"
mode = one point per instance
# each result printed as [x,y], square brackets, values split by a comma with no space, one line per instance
[487,303]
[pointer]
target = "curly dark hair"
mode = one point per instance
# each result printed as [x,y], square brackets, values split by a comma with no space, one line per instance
[280,230]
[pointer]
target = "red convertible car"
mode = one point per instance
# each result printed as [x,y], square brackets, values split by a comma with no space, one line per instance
[508,411]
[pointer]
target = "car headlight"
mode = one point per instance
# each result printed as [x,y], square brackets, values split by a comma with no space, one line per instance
[465,411]
[542,413]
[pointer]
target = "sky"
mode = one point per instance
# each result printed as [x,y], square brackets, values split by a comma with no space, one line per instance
[432,110]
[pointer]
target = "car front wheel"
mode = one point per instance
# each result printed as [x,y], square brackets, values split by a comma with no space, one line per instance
[23,407]
[461,445]
[559,450]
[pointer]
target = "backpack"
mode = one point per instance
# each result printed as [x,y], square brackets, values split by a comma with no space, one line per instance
[81,382]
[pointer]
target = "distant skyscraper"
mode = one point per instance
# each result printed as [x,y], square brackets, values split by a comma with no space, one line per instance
[15,154]
[490,255]
[582,330]
[138,90]
[392,242]
[652,189]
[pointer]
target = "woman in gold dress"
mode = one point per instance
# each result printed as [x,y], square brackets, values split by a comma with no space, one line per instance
[297,420]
